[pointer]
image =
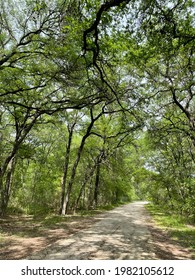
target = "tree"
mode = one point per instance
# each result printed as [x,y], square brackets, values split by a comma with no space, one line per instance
[101,71]
[170,160]
[34,81]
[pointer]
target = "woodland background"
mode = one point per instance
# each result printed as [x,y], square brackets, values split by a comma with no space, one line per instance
[96,105]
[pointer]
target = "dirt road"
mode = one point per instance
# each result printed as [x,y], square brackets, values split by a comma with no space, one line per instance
[120,234]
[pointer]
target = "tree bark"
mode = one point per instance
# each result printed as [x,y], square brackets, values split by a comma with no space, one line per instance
[97,184]
[5,186]
[66,165]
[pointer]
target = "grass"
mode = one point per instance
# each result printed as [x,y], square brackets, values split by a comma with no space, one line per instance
[176,226]
[51,220]
[23,225]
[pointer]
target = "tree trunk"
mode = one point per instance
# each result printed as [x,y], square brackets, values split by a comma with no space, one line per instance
[74,169]
[5,186]
[87,177]
[2,207]
[73,174]
[97,183]
[7,168]
[66,165]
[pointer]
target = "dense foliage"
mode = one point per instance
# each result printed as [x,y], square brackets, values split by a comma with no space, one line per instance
[97,104]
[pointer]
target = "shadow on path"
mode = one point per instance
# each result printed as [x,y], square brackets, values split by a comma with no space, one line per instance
[121,234]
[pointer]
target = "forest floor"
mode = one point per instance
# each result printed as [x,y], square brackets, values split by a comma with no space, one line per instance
[126,232]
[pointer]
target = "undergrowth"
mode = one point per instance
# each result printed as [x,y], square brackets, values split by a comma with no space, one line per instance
[175,225]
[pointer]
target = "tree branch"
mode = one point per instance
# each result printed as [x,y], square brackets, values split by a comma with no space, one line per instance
[94,27]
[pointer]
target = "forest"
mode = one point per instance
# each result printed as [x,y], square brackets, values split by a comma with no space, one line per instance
[96,105]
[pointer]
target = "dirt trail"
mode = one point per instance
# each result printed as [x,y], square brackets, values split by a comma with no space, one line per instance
[120,234]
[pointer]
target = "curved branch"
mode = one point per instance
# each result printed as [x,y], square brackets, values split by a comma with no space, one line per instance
[94,27]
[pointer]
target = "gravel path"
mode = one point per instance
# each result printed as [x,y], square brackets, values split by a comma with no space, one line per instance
[120,234]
